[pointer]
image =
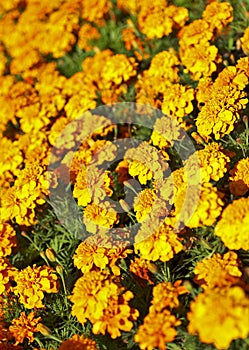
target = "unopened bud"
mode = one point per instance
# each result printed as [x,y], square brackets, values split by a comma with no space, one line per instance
[59,269]
[245,119]
[44,330]
[50,254]
[124,205]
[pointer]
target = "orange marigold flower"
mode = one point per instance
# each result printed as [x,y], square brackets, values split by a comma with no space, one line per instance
[143,203]
[99,218]
[117,316]
[7,239]
[157,330]
[160,245]
[218,15]
[86,34]
[99,251]
[78,342]
[233,225]
[32,283]
[239,184]
[218,270]
[7,274]
[177,101]
[220,316]
[143,268]
[24,327]
[165,295]
[97,287]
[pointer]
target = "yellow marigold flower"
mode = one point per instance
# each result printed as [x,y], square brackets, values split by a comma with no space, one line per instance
[245,41]
[118,68]
[11,158]
[212,161]
[99,218]
[177,101]
[204,90]
[195,33]
[217,271]
[24,327]
[160,245]
[94,10]
[165,295]
[32,283]
[208,206]
[146,162]
[99,252]
[164,68]
[97,287]
[86,34]
[218,15]
[92,184]
[157,330]
[7,274]
[131,6]
[220,316]
[200,60]
[78,342]
[157,20]
[117,316]
[239,184]
[221,112]
[143,203]
[232,227]
[7,239]
[165,132]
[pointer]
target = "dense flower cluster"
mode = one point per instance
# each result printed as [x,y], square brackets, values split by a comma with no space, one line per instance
[124,174]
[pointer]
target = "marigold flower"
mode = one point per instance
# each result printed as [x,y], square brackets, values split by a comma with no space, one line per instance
[143,203]
[177,101]
[218,270]
[7,239]
[218,15]
[99,251]
[151,334]
[146,162]
[117,317]
[24,327]
[160,245]
[92,184]
[245,41]
[239,184]
[195,33]
[32,283]
[97,287]
[200,60]
[208,206]
[232,227]
[220,316]
[86,34]
[94,10]
[165,295]
[99,218]
[7,274]
[78,342]
[143,268]
[212,162]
